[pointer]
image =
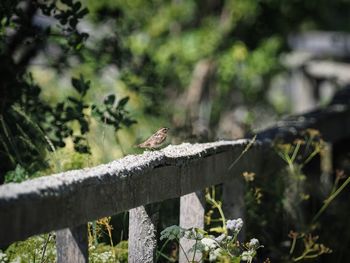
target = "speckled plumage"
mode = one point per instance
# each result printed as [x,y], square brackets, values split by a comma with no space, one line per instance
[156,140]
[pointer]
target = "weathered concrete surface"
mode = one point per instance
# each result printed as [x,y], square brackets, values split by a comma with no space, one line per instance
[76,197]
[73,198]
[143,222]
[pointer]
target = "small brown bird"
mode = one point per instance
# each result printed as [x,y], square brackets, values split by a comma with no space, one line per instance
[156,140]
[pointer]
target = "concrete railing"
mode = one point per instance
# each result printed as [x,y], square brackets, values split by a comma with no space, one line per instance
[65,202]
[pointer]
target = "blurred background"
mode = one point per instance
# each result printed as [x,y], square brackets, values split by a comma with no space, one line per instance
[207,69]
[82,82]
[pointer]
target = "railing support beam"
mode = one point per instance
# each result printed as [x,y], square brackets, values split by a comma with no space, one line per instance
[143,222]
[72,245]
[191,215]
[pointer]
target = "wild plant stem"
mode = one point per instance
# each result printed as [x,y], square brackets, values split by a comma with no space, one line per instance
[243,152]
[305,255]
[111,239]
[44,248]
[335,184]
[159,252]
[312,155]
[330,199]
[94,231]
[218,207]
[183,250]
[195,250]
[165,256]
[292,246]
[295,152]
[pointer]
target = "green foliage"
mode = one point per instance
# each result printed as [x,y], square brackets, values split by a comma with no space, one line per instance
[155,47]
[157,50]
[35,249]
[103,253]
[68,16]
[172,233]
[27,122]
[295,201]
[114,113]
[66,113]
[28,141]
[16,176]
[223,248]
[30,127]
[42,248]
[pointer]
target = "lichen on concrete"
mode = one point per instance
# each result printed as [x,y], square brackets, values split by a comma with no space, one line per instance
[128,166]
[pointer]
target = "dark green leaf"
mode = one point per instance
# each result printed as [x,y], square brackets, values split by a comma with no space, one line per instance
[82,13]
[109,100]
[122,102]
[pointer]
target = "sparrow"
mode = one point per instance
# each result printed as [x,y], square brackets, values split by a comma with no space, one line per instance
[156,140]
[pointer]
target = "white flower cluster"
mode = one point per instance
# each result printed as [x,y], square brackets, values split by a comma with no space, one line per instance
[209,243]
[220,238]
[193,234]
[213,255]
[248,255]
[254,243]
[212,245]
[235,225]
[224,245]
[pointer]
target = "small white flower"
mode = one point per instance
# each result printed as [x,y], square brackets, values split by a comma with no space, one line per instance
[214,254]
[235,225]
[220,238]
[209,243]
[229,238]
[254,243]
[247,255]
[193,234]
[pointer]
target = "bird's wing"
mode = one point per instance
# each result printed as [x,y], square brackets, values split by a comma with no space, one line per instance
[146,143]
